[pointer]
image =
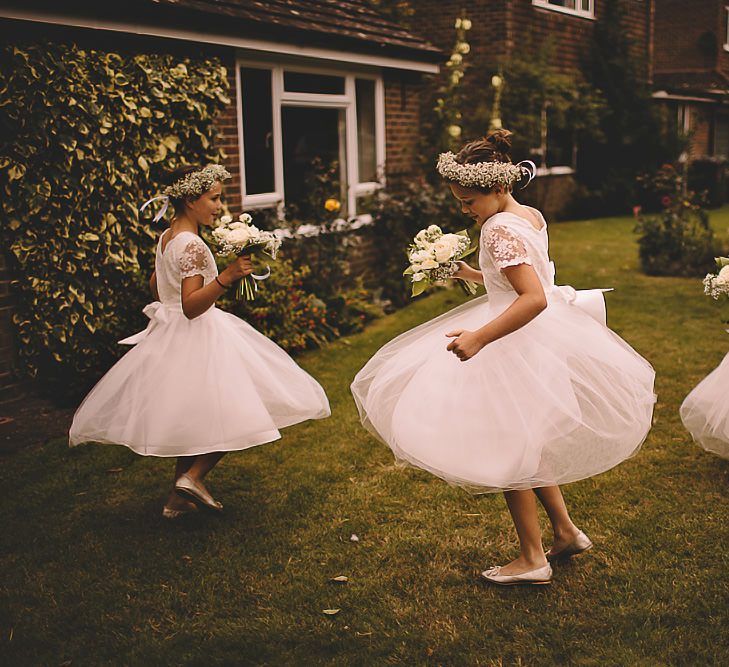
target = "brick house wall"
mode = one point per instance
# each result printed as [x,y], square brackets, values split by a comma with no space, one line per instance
[490,37]
[402,125]
[501,27]
[691,67]
[702,133]
[681,26]
[722,37]
[227,126]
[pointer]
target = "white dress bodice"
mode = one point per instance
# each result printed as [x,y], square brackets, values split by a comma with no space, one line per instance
[507,240]
[184,255]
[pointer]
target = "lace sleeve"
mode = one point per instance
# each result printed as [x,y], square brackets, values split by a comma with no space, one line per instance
[506,247]
[194,259]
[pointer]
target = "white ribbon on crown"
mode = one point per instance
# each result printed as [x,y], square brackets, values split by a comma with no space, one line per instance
[160,214]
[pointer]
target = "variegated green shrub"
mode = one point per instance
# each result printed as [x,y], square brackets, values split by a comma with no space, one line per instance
[86,136]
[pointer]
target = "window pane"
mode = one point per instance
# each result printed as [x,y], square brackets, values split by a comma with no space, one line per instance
[257,130]
[366,130]
[313,152]
[585,5]
[721,137]
[569,4]
[559,144]
[301,82]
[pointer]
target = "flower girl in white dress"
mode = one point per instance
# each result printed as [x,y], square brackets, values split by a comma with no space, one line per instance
[199,382]
[705,411]
[548,394]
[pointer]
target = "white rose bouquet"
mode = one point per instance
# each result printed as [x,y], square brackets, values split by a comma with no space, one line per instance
[716,285]
[242,237]
[433,256]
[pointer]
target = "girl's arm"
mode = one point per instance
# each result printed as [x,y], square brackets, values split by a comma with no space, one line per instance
[153,286]
[197,298]
[467,272]
[530,302]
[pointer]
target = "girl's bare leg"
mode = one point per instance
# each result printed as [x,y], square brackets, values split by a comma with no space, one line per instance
[203,464]
[564,530]
[523,508]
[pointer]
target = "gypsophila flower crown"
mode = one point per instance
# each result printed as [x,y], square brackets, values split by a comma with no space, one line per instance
[196,183]
[484,174]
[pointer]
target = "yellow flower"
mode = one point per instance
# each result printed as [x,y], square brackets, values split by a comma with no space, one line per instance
[332,205]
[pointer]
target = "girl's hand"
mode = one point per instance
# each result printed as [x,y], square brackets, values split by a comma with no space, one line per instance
[465,344]
[238,268]
[463,270]
[466,272]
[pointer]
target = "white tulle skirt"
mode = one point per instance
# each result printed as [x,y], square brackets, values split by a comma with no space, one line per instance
[705,411]
[189,387]
[561,399]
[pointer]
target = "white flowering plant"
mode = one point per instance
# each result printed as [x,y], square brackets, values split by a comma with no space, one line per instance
[716,285]
[433,257]
[450,99]
[242,237]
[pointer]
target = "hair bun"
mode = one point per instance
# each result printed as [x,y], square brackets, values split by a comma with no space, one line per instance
[500,140]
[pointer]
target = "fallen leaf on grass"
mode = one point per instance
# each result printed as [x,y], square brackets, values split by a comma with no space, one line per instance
[363,634]
[115,469]
[354,538]
[330,612]
[341,578]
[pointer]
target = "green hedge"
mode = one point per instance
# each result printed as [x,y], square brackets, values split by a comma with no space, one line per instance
[87,136]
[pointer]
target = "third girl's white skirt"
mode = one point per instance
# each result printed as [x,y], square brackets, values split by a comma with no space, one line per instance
[705,411]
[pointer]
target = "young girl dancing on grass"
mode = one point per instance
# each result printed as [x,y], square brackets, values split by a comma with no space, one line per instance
[199,382]
[547,394]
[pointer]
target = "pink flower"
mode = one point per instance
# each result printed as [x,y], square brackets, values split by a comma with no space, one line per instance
[666,200]
[637,210]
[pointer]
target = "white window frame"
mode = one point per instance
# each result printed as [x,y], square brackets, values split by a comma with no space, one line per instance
[683,118]
[541,152]
[281,98]
[582,13]
[726,28]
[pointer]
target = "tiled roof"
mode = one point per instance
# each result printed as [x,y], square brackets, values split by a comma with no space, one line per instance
[351,23]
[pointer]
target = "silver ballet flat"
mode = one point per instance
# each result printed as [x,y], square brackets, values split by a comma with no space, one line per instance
[540,576]
[188,487]
[579,545]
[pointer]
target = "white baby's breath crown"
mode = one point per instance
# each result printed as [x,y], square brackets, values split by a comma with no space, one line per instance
[197,183]
[484,174]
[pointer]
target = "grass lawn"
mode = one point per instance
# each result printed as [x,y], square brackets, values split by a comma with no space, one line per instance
[91,574]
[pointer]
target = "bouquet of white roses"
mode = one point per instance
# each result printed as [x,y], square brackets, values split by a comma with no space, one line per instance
[242,237]
[433,256]
[716,285]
